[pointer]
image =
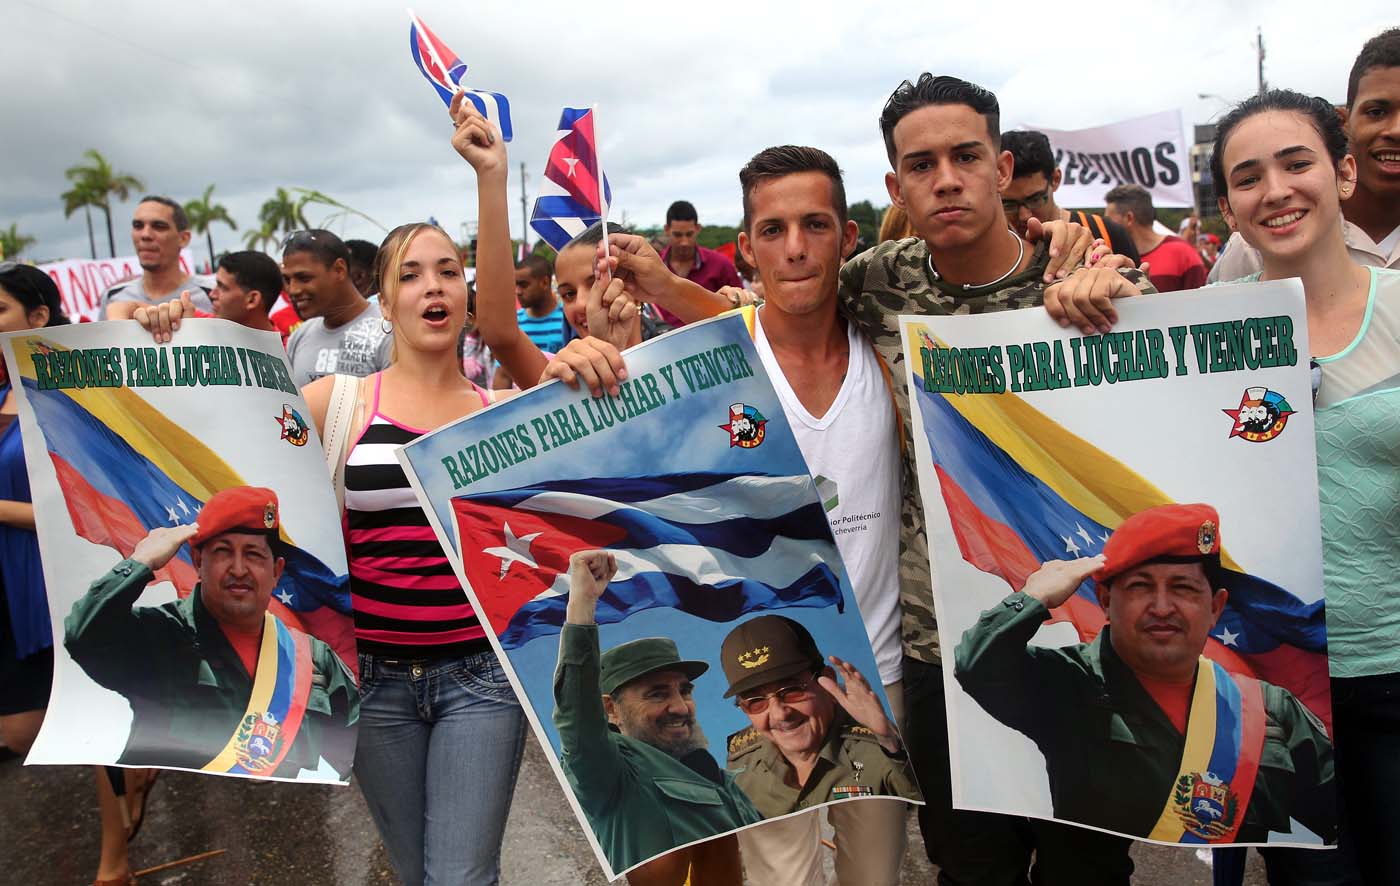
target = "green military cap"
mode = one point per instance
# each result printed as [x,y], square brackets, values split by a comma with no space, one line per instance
[764,649]
[621,665]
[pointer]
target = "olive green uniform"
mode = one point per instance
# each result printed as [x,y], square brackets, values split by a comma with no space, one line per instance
[187,687]
[639,800]
[851,763]
[1111,753]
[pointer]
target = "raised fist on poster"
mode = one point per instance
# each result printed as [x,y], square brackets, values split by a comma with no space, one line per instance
[589,574]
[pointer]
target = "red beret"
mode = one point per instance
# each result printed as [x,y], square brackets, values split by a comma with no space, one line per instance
[238,509]
[1177,532]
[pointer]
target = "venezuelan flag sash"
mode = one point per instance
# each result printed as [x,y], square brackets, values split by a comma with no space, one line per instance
[1224,739]
[276,705]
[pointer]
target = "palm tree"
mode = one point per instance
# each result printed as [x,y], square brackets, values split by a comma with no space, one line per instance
[12,242]
[311,196]
[260,237]
[286,211]
[82,196]
[103,182]
[202,213]
[281,210]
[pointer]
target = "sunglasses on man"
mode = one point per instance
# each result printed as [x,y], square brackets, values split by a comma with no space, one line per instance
[298,239]
[796,693]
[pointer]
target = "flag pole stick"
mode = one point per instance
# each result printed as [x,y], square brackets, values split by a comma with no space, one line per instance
[179,862]
[602,196]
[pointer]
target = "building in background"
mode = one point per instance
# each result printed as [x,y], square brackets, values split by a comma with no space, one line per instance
[1202,184]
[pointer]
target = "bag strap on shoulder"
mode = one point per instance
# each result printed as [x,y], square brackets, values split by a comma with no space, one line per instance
[340,415]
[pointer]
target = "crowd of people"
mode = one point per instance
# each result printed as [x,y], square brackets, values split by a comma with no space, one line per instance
[1308,191]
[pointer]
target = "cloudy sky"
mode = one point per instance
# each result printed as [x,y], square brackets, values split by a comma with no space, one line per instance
[248,96]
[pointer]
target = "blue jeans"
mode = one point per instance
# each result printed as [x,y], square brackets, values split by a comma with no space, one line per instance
[439,748]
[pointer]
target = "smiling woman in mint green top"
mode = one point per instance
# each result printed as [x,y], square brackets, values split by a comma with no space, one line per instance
[1284,198]
[1358,463]
[1358,467]
[1281,170]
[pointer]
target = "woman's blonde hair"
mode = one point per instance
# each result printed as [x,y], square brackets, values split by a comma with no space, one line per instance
[389,261]
[895,225]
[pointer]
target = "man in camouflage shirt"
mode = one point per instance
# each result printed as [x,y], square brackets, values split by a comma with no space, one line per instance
[943,139]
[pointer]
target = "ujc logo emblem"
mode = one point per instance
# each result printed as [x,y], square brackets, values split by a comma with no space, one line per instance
[294,429]
[746,426]
[1261,416]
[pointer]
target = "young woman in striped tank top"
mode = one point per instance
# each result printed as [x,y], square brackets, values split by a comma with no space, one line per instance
[441,732]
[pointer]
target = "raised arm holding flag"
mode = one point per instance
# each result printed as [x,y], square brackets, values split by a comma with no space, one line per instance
[475,139]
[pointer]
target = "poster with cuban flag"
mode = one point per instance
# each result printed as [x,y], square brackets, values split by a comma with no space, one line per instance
[665,695]
[187,537]
[1124,536]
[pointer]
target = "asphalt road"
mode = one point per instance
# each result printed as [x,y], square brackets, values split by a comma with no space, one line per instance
[311,834]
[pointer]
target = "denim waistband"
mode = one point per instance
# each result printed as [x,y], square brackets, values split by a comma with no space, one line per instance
[418,667]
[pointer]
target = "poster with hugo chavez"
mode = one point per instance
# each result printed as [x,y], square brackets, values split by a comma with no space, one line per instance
[657,572]
[194,565]
[1124,535]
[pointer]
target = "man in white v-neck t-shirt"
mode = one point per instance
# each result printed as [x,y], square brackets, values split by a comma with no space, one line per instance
[838,404]
[853,452]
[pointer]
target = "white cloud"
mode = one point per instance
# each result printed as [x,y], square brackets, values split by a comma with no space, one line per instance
[250,96]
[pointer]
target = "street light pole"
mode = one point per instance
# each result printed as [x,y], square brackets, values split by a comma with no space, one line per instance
[524,221]
[1259,37]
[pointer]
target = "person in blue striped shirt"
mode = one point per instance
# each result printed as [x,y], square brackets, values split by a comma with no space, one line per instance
[540,316]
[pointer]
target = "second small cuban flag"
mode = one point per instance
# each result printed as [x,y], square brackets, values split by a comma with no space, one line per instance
[571,200]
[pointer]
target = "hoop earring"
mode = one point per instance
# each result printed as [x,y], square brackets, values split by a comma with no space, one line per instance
[386,326]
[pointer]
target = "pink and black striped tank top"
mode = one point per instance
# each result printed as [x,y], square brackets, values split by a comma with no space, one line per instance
[407,601]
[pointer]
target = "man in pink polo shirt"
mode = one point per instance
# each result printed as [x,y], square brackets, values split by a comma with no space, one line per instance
[690,260]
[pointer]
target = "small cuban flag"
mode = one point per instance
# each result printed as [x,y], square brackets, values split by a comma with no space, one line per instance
[445,72]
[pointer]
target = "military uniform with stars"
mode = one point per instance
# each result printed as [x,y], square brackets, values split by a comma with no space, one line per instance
[851,761]
[852,764]
[187,686]
[1112,754]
